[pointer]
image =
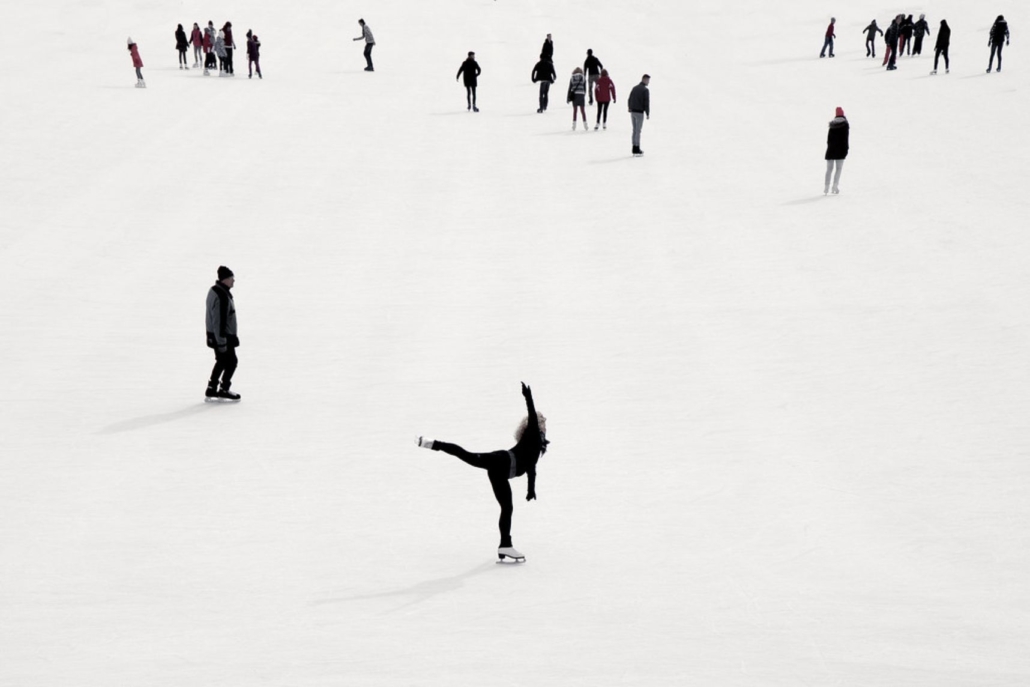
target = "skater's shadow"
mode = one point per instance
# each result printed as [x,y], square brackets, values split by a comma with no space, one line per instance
[418,593]
[151,420]
[806,201]
[624,158]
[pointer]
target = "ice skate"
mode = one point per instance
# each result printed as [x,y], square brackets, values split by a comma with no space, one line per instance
[826,190]
[475,109]
[212,390]
[573,125]
[509,552]
[605,126]
[933,73]
[596,127]
[424,443]
[836,191]
[227,395]
[206,72]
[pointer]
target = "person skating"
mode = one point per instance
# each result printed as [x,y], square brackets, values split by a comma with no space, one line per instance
[502,466]
[182,44]
[891,37]
[471,71]
[836,150]
[828,39]
[137,62]
[209,48]
[604,92]
[370,42]
[941,47]
[222,54]
[253,55]
[870,38]
[639,106]
[577,95]
[999,38]
[222,335]
[907,25]
[230,47]
[543,73]
[592,68]
[922,28]
[197,41]
[547,50]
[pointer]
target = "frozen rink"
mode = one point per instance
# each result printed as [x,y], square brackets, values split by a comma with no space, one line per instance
[790,432]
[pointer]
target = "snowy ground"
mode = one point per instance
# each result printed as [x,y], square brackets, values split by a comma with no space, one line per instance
[789,431]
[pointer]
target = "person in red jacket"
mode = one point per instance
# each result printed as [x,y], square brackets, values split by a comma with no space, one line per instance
[828,40]
[604,93]
[197,41]
[137,62]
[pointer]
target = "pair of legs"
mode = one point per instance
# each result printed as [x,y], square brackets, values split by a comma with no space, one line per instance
[545,88]
[228,59]
[937,56]
[498,468]
[197,52]
[591,83]
[209,60]
[870,47]
[139,74]
[225,366]
[917,49]
[182,56]
[251,65]
[470,96]
[891,58]
[368,56]
[995,48]
[830,164]
[602,111]
[578,107]
[638,125]
[828,43]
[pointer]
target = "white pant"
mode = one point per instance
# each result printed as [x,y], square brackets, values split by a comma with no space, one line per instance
[829,171]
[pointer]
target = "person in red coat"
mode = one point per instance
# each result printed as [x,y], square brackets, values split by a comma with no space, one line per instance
[604,93]
[137,62]
[197,41]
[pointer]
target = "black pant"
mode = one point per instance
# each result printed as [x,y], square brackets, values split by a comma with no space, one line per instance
[209,61]
[995,47]
[182,55]
[470,96]
[937,56]
[225,366]
[602,107]
[917,49]
[545,88]
[498,467]
[894,57]
[368,54]
[228,59]
[870,47]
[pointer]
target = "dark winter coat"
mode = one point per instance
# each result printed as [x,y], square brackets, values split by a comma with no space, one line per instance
[922,28]
[604,90]
[470,68]
[906,27]
[592,66]
[544,71]
[227,30]
[137,61]
[837,139]
[253,48]
[870,31]
[221,318]
[181,42]
[548,50]
[943,36]
[640,99]
[1000,32]
[892,34]
[829,31]
[530,447]
[197,37]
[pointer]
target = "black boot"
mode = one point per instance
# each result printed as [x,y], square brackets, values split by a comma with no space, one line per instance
[212,389]
[225,393]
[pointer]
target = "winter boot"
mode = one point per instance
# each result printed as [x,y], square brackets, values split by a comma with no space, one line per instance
[509,552]
[424,443]
[212,389]
[225,393]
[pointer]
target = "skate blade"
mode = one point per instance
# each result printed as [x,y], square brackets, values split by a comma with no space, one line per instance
[509,560]
[215,399]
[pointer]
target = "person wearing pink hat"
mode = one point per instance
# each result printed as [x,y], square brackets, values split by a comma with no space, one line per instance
[836,150]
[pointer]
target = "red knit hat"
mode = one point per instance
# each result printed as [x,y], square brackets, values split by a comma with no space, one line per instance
[840,111]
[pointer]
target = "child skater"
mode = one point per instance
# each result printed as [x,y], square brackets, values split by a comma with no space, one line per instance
[502,466]
[137,62]
[604,93]
[578,96]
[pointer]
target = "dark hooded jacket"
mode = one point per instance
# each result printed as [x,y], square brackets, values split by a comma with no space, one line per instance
[544,71]
[943,36]
[999,32]
[837,139]
[470,68]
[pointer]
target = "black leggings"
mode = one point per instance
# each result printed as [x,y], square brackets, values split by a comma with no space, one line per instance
[470,96]
[498,467]
[225,366]
[995,47]
[602,107]
[937,55]
[182,55]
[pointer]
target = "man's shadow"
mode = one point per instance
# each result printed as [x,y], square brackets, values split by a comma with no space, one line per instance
[151,420]
[420,592]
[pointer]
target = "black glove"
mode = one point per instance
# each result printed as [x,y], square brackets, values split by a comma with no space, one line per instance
[525,389]
[531,496]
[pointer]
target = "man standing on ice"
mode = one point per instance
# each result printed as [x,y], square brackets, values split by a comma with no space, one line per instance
[221,335]
[470,68]
[891,37]
[999,39]
[922,28]
[836,149]
[543,73]
[639,107]
[370,42]
[501,466]
[592,68]
[547,50]
[828,40]
[870,38]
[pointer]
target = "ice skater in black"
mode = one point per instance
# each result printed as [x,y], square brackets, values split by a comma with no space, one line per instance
[543,73]
[470,68]
[999,39]
[941,48]
[502,466]
[922,29]
[870,38]
[221,335]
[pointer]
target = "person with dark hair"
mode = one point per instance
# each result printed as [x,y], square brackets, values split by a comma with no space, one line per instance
[941,48]
[870,38]
[230,46]
[197,40]
[209,48]
[501,466]
[828,39]
[471,71]
[547,50]
[907,25]
[253,55]
[922,28]
[543,73]
[999,38]
[639,106]
[592,67]
[182,44]
[221,335]
[891,37]
[605,93]
[577,96]
[370,42]
[137,62]
[836,149]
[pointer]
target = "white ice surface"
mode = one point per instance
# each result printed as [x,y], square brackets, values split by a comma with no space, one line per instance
[790,433]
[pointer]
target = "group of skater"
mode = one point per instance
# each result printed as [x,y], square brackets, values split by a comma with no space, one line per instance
[215,47]
[904,36]
[501,466]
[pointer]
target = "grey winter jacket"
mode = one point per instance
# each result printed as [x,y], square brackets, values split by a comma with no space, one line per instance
[640,99]
[366,33]
[219,47]
[221,318]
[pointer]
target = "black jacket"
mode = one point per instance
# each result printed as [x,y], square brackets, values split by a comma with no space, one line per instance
[943,36]
[530,447]
[640,99]
[544,71]
[592,65]
[548,50]
[837,139]
[470,68]
[181,43]
[999,32]
[891,34]
[922,28]
[870,31]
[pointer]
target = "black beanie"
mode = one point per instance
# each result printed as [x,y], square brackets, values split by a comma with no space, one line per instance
[224,273]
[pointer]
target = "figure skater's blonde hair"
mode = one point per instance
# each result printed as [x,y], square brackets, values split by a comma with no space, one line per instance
[521,429]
